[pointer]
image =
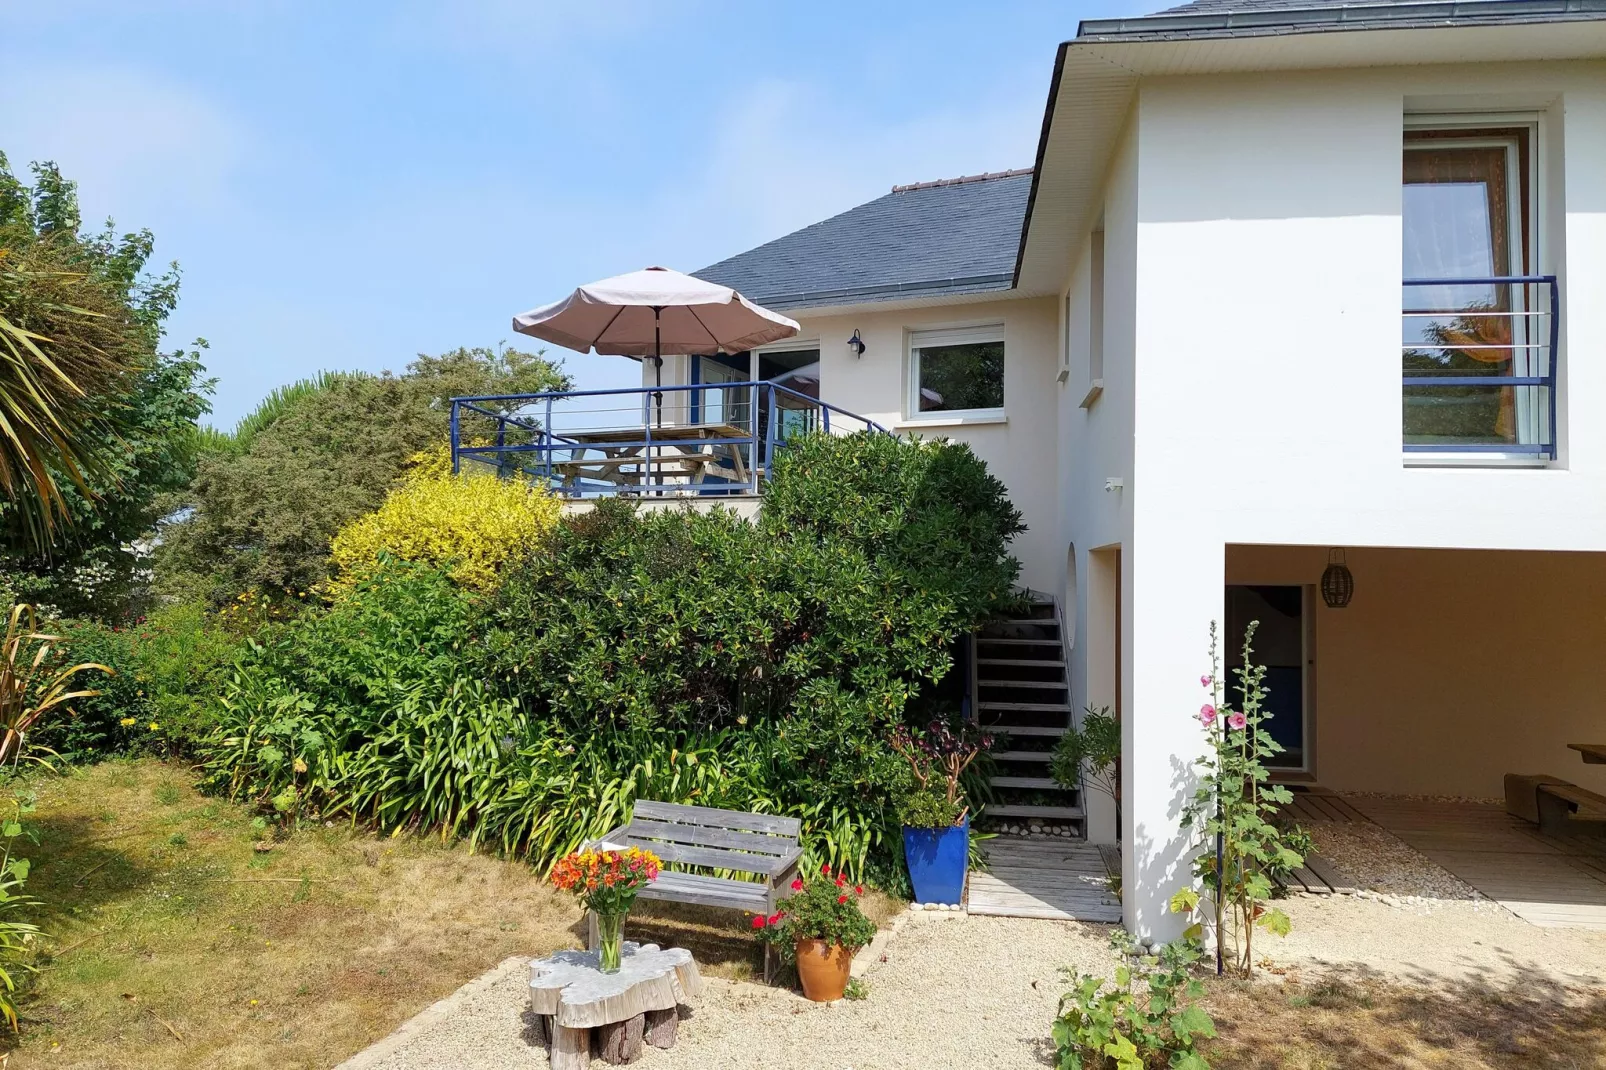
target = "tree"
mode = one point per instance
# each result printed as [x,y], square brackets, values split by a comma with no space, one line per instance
[99,423]
[268,500]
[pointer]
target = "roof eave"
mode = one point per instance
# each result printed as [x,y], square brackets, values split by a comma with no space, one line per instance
[1330,18]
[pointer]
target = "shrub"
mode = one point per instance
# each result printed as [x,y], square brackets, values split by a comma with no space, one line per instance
[1103,1027]
[167,670]
[938,759]
[683,656]
[1089,754]
[473,525]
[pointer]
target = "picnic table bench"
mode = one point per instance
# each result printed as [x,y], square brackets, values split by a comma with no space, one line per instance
[712,842]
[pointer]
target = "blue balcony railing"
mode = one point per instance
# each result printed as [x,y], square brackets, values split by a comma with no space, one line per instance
[1479,367]
[699,440]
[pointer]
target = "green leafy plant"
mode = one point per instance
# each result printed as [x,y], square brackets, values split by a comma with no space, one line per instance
[1148,1018]
[938,759]
[1089,755]
[1234,811]
[822,907]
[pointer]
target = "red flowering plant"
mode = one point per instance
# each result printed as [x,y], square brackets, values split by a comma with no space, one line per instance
[606,881]
[825,907]
[938,758]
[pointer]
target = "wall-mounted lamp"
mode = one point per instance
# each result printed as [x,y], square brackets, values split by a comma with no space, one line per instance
[1338,584]
[856,344]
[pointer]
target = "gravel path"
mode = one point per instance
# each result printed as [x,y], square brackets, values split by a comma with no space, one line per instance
[1374,858]
[955,991]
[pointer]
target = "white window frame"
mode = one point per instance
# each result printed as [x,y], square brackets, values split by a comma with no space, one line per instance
[950,336]
[1534,123]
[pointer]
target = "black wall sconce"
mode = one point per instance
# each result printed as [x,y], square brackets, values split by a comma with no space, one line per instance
[1338,583]
[856,344]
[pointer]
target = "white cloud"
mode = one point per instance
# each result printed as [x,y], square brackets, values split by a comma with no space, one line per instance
[142,148]
[783,155]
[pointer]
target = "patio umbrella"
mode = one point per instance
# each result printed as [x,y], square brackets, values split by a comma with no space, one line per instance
[653,313]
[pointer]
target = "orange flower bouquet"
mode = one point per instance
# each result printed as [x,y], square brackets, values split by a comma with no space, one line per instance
[607,882]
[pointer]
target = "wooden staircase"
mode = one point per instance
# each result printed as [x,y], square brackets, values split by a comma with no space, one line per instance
[1023,694]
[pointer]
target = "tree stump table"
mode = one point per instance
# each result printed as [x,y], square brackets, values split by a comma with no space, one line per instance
[582,1010]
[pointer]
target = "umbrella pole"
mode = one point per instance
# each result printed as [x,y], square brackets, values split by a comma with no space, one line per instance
[657,364]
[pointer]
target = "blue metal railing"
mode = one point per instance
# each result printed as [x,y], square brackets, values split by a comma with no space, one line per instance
[1527,344]
[697,439]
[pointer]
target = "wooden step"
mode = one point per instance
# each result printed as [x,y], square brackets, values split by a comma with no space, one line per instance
[1022,755]
[1035,707]
[1024,729]
[1022,810]
[1012,641]
[1058,685]
[1036,622]
[1041,782]
[1022,662]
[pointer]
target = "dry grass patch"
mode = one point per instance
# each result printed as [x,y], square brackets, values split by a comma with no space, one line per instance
[1356,1020]
[166,922]
[175,941]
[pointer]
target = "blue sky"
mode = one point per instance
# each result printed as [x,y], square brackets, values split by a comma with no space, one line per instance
[348,184]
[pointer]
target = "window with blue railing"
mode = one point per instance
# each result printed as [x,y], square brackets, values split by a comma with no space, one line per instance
[1479,323]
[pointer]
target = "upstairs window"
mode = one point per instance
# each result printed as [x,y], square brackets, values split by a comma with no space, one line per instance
[1477,325]
[957,373]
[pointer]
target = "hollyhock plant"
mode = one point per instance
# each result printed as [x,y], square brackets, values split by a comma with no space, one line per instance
[1235,813]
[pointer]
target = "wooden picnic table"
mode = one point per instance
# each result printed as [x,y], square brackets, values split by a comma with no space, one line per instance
[678,449]
[1592,753]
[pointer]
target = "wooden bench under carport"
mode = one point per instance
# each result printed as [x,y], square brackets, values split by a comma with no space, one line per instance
[728,841]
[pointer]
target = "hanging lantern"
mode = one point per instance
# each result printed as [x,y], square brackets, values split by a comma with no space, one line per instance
[1338,584]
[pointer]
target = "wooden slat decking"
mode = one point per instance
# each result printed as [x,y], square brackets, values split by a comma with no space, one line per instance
[1039,878]
[1551,881]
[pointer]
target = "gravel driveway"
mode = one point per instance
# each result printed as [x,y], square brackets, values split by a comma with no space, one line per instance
[955,991]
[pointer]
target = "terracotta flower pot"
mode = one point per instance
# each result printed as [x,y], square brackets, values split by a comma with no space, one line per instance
[823,969]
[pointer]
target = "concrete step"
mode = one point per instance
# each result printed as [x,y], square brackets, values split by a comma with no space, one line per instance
[1022,662]
[1035,707]
[1024,729]
[1023,755]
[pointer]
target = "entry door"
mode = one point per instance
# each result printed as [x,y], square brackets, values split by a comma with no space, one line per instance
[1282,644]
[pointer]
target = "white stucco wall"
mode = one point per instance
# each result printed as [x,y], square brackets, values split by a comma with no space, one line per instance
[1267,394]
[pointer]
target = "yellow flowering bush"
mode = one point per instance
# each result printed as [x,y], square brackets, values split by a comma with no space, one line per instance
[473,524]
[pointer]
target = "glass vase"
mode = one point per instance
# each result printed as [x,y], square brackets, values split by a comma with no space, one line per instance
[610,941]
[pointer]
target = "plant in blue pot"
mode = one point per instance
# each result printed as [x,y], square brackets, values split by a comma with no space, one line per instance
[935,815]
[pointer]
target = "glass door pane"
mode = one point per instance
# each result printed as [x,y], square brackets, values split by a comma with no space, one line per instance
[1463,218]
[1280,647]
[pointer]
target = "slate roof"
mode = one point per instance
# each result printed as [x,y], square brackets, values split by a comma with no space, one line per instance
[955,236]
[1206,19]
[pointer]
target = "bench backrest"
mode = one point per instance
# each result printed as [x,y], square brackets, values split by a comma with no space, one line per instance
[718,839]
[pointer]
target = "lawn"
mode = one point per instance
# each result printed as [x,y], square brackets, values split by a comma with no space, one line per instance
[1350,1019]
[174,934]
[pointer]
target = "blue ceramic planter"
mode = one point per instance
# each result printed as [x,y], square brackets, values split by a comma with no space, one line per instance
[937,859]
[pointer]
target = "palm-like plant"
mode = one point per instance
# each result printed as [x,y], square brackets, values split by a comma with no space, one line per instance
[65,339]
[30,683]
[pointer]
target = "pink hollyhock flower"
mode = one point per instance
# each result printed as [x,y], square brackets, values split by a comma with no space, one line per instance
[1204,681]
[1236,720]
[1207,714]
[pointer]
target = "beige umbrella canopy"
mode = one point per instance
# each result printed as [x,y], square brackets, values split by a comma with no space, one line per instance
[652,312]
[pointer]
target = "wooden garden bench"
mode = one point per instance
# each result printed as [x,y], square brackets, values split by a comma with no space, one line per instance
[704,839]
[1563,808]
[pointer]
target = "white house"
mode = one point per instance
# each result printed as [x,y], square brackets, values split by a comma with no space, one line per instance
[1181,338]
